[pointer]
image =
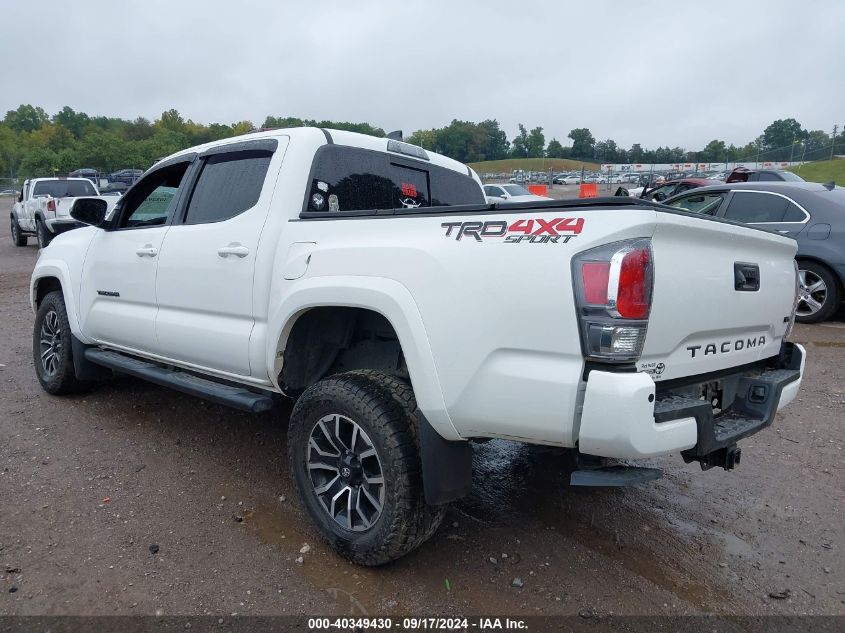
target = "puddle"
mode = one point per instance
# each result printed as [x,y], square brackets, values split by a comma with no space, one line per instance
[342,581]
[514,482]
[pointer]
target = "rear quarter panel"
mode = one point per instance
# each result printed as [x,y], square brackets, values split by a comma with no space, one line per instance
[499,316]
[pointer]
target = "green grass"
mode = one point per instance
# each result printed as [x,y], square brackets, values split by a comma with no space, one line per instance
[822,171]
[530,164]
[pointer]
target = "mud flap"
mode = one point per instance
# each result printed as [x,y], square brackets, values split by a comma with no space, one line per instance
[446,466]
[83,368]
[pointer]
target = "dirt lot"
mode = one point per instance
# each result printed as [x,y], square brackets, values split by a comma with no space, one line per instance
[89,483]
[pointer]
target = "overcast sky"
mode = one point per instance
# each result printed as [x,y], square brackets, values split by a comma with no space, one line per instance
[656,73]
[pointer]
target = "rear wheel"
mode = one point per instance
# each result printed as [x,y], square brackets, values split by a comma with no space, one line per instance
[354,454]
[44,237]
[18,238]
[51,347]
[818,293]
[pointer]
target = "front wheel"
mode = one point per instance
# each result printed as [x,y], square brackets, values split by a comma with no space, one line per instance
[354,454]
[43,235]
[18,238]
[818,293]
[52,349]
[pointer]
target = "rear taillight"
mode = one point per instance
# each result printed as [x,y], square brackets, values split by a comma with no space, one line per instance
[794,301]
[613,286]
[51,205]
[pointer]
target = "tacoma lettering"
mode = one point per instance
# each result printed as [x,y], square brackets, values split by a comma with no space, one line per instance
[727,346]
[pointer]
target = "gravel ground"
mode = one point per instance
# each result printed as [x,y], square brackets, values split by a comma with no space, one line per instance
[134,499]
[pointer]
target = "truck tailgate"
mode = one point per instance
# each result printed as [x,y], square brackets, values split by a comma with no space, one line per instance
[703,318]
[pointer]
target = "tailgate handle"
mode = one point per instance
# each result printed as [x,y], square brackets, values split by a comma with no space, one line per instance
[746,277]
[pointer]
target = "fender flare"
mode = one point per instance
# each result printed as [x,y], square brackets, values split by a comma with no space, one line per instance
[390,299]
[58,269]
[39,215]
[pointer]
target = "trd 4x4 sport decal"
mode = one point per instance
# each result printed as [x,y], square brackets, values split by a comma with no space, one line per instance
[532,231]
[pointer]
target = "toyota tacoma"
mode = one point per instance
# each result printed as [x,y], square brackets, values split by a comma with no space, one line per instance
[369,280]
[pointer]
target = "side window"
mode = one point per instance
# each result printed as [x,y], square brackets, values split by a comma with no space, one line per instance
[228,185]
[767,176]
[153,199]
[794,213]
[754,207]
[347,179]
[704,203]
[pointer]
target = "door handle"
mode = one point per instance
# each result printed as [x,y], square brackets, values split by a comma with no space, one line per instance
[235,248]
[147,251]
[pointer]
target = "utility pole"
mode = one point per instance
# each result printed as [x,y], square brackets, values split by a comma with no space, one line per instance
[833,140]
[791,149]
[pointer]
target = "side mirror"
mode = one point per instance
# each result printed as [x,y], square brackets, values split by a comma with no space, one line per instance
[90,211]
[660,196]
[622,192]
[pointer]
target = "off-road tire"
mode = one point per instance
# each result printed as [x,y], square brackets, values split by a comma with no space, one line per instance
[64,380]
[18,238]
[383,406]
[834,295]
[43,235]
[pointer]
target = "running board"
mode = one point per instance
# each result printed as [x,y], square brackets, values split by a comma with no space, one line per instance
[237,397]
[614,476]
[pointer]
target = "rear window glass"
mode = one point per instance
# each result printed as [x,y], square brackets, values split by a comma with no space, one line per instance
[351,179]
[228,185]
[64,188]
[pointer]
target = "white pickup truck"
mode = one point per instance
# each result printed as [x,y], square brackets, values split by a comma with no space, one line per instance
[43,208]
[368,279]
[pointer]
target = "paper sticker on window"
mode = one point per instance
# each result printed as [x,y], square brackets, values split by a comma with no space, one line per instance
[334,205]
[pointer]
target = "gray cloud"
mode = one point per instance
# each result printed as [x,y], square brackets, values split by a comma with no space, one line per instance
[657,73]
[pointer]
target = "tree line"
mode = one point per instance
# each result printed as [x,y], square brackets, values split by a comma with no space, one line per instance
[32,142]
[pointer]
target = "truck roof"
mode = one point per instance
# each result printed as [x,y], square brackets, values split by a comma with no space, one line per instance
[55,178]
[339,137]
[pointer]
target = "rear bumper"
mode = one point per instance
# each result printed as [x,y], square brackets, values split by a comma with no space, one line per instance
[627,415]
